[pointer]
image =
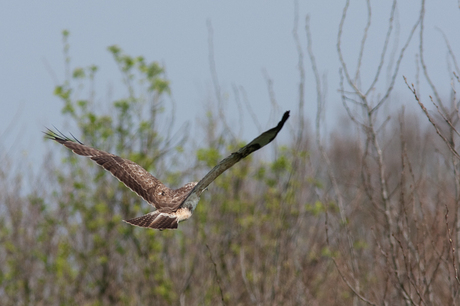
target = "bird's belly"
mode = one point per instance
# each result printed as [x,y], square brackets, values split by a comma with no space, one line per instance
[183,214]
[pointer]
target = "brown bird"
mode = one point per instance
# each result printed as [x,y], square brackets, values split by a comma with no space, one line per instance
[171,205]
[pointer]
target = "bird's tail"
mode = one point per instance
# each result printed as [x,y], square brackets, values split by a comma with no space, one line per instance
[156,220]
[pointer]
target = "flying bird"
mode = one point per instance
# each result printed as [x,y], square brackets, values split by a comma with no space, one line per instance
[171,206]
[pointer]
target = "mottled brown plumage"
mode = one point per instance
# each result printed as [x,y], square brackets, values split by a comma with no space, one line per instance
[172,205]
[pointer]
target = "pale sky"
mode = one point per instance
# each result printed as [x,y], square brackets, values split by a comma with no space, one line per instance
[250,37]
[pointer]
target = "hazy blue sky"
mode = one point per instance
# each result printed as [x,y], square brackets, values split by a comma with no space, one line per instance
[249,37]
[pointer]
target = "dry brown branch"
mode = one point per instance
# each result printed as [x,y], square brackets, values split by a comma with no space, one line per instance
[446,141]
[449,48]
[457,77]
[216,275]
[452,248]
[215,80]
[344,99]
[384,49]
[409,274]
[240,110]
[398,64]
[422,58]
[271,93]
[339,49]
[447,120]
[338,194]
[339,269]
[363,41]
[245,279]
[249,108]
[301,72]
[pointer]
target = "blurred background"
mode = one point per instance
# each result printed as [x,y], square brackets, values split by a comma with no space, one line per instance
[356,202]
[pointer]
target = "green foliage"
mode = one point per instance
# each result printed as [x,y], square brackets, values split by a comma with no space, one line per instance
[92,242]
[210,156]
[316,209]
[151,73]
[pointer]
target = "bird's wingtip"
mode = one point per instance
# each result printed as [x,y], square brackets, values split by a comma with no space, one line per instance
[285,117]
[286,114]
[58,136]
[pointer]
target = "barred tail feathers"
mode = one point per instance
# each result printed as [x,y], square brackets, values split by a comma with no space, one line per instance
[157,220]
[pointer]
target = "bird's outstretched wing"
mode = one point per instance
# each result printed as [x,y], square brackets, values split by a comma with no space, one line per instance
[259,142]
[129,173]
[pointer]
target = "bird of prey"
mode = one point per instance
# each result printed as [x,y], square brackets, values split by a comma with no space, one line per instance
[171,206]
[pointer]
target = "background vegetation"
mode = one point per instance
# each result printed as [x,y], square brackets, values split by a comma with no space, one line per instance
[367,214]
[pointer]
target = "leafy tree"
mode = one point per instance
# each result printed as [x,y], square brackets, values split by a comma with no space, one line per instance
[101,253]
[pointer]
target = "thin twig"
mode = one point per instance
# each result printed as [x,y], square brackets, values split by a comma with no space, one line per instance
[249,108]
[422,59]
[339,50]
[301,72]
[217,276]
[452,248]
[363,41]
[338,268]
[215,79]
[449,48]
[412,88]
[332,175]
[398,64]
[385,46]
[447,120]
